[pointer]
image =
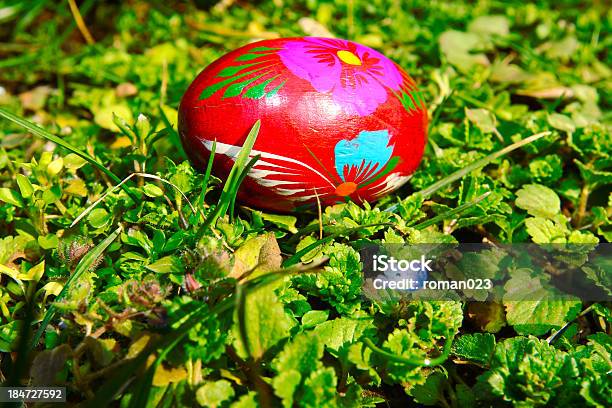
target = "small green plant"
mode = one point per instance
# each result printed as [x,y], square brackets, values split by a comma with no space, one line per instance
[135,280]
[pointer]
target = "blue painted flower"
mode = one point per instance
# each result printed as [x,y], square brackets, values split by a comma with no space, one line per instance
[363,160]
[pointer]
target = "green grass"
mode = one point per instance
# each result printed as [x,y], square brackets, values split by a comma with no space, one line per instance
[133,279]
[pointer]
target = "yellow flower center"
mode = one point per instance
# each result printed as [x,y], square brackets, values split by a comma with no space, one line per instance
[348,57]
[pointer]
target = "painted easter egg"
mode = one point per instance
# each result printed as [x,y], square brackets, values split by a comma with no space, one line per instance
[339,121]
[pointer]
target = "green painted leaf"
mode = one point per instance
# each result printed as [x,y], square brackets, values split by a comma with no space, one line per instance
[391,164]
[210,90]
[258,91]
[262,49]
[250,56]
[237,88]
[233,70]
[275,90]
[419,99]
[407,102]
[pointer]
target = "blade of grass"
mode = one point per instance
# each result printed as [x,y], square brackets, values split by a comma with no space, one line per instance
[175,138]
[85,264]
[231,184]
[553,337]
[99,200]
[438,111]
[451,213]
[38,131]
[428,191]
[243,175]
[78,18]
[207,174]
[32,11]
[304,231]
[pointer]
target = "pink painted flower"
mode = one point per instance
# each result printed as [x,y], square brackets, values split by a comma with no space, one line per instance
[356,76]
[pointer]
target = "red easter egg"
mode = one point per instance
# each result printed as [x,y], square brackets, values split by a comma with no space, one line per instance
[338,120]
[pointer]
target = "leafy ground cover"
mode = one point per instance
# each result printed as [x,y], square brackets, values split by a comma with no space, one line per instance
[166,293]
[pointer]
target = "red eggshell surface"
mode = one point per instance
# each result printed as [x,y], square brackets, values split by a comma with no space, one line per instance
[338,120]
